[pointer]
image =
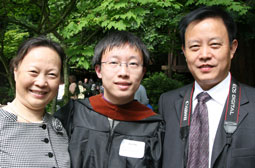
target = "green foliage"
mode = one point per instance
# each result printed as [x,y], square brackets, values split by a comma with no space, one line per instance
[80,56]
[80,24]
[12,40]
[231,5]
[184,78]
[6,95]
[91,19]
[158,83]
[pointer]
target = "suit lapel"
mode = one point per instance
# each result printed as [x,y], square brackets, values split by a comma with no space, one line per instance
[178,108]
[179,100]
[220,138]
[243,103]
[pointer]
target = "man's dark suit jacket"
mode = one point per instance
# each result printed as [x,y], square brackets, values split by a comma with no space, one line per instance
[241,153]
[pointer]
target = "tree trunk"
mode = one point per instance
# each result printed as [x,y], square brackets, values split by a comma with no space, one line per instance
[66,81]
[170,56]
[54,104]
[9,75]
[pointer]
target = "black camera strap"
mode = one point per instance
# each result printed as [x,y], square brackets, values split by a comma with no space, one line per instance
[231,114]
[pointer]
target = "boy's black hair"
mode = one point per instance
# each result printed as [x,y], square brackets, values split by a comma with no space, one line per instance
[118,39]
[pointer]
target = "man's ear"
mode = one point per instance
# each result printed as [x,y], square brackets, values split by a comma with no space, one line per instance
[183,50]
[233,48]
[98,71]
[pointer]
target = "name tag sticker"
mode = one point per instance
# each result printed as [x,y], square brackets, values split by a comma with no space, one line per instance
[131,148]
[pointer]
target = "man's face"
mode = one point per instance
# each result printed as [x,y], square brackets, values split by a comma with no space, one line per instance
[85,80]
[120,83]
[208,52]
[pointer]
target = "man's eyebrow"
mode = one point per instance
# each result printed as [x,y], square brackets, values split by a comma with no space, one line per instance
[193,41]
[215,38]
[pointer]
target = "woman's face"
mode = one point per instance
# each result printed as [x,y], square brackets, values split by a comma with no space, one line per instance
[37,77]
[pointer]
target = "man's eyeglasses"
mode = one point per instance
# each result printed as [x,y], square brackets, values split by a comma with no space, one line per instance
[116,65]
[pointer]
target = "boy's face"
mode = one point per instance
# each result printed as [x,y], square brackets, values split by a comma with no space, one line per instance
[120,82]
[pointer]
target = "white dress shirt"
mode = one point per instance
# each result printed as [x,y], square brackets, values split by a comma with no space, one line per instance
[215,105]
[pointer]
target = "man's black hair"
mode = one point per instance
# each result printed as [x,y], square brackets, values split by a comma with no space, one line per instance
[208,12]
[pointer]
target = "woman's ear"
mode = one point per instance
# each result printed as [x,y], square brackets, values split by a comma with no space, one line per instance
[15,73]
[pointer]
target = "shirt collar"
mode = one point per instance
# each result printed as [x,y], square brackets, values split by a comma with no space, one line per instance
[218,93]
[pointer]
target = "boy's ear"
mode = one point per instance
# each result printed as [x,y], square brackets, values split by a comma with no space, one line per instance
[98,71]
[144,70]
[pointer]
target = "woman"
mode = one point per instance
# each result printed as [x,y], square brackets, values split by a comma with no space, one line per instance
[73,88]
[81,90]
[29,136]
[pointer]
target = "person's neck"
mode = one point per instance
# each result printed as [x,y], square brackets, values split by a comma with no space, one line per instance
[207,86]
[26,114]
[118,102]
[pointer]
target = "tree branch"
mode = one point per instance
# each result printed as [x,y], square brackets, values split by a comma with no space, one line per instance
[3,74]
[66,13]
[29,27]
[90,36]
[58,36]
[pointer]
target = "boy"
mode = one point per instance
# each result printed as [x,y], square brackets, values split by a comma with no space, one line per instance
[112,129]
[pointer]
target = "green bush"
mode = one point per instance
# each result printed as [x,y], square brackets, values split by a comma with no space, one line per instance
[158,83]
[185,78]
[6,95]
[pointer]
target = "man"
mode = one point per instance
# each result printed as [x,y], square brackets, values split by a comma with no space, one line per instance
[226,138]
[112,130]
[85,82]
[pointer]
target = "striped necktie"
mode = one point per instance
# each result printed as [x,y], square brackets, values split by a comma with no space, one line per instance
[198,154]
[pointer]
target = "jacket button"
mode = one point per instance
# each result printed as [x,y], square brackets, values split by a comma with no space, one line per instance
[44,126]
[50,155]
[46,140]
